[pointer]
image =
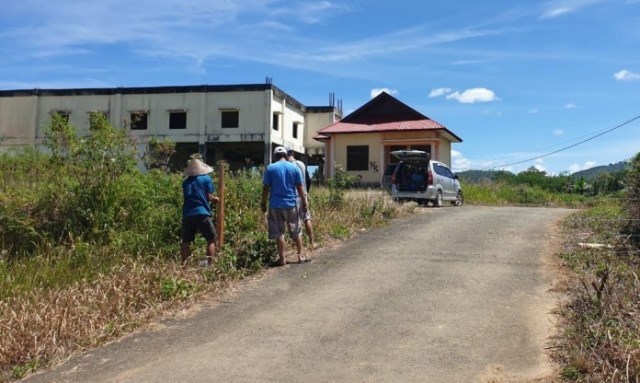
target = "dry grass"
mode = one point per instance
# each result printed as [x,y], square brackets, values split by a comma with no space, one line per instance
[44,325]
[599,339]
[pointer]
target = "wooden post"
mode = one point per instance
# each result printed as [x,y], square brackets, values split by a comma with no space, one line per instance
[220,222]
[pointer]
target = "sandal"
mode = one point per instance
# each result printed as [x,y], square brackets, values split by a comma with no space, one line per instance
[303,259]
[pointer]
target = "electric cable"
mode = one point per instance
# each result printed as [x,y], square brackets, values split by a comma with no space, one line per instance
[601,133]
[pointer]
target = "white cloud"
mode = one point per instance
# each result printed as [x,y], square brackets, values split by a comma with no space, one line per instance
[437,92]
[540,168]
[589,165]
[533,111]
[570,105]
[558,132]
[473,95]
[625,75]
[377,91]
[460,162]
[576,168]
[311,12]
[557,8]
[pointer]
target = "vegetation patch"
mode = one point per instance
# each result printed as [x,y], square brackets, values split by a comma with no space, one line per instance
[599,339]
[89,245]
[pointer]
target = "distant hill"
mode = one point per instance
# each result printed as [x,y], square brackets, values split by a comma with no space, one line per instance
[593,172]
[476,176]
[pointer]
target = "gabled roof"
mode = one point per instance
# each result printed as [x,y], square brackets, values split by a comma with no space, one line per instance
[384,113]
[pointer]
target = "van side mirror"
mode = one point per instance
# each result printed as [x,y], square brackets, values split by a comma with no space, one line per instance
[455,176]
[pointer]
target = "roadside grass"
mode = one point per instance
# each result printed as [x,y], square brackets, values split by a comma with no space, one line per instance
[599,338]
[501,194]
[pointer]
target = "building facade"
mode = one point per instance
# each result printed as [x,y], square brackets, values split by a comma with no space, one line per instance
[361,143]
[240,124]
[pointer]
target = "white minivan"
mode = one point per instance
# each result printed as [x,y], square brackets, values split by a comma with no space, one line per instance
[418,178]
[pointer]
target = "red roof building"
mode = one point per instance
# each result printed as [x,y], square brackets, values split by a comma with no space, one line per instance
[362,141]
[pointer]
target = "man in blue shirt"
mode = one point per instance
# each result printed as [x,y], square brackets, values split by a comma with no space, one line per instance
[282,182]
[198,190]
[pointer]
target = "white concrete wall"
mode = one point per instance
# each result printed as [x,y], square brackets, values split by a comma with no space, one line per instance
[17,121]
[22,119]
[315,122]
[340,143]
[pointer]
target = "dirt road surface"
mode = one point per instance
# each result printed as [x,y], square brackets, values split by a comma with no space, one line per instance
[448,295]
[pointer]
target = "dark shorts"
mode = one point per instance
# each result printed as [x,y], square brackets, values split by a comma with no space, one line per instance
[198,223]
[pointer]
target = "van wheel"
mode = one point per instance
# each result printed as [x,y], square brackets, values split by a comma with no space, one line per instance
[438,201]
[459,199]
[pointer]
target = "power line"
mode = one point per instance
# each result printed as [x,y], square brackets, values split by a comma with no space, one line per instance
[572,145]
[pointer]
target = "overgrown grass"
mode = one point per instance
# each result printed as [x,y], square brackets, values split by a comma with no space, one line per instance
[600,323]
[500,194]
[82,264]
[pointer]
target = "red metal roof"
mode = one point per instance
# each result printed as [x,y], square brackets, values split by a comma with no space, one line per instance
[346,127]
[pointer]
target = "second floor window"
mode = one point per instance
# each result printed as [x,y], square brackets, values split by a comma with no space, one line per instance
[178,120]
[230,118]
[139,120]
[294,132]
[276,121]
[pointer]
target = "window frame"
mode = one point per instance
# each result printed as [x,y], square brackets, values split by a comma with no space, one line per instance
[357,158]
[136,122]
[225,123]
[182,123]
[294,129]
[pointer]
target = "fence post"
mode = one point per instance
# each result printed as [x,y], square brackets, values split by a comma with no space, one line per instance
[220,222]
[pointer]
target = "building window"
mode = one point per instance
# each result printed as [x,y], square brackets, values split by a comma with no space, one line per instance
[139,120]
[230,118]
[358,157]
[294,132]
[178,120]
[276,121]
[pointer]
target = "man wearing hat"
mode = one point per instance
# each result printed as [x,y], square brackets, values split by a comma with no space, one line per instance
[282,182]
[198,190]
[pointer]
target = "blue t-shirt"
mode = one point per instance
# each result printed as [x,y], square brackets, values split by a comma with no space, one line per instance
[282,176]
[195,190]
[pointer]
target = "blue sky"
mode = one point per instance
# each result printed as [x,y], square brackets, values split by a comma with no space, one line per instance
[515,80]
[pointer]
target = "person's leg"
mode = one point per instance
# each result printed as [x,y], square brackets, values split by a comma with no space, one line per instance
[309,228]
[208,231]
[185,252]
[281,245]
[298,242]
[188,235]
[276,222]
[211,251]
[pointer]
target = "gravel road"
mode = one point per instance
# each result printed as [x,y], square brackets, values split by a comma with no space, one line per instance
[457,294]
